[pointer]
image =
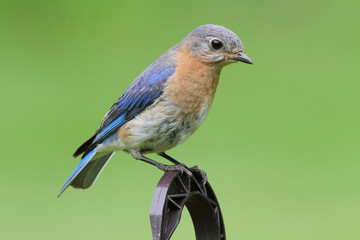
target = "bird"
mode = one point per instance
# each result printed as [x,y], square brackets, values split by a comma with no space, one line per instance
[163,106]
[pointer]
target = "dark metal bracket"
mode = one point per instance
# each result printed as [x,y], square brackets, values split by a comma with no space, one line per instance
[176,190]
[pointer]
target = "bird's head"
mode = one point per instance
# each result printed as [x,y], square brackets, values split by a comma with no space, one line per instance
[215,44]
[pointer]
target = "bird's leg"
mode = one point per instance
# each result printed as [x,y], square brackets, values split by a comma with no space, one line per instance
[166,168]
[194,168]
[173,160]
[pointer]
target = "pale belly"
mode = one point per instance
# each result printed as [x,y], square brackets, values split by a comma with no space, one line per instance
[157,129]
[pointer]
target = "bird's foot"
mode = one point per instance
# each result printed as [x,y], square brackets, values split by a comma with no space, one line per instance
[178,167]
[185,169]
[171,168]
[201,172]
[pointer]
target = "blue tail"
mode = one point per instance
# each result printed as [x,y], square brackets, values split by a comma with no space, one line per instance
[87,171]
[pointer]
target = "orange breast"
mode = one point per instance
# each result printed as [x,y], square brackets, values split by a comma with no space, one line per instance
[194,82]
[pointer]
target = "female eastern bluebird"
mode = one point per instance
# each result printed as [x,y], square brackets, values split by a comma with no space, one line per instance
[163,106]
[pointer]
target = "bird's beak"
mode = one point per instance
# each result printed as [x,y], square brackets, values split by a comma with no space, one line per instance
[240,56]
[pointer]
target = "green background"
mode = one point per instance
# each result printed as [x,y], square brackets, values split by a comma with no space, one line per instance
[280,145]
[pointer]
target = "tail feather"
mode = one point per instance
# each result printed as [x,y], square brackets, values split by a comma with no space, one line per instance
[87,171]
[90,172]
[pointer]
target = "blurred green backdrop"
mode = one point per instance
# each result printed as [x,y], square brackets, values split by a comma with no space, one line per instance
[280,145]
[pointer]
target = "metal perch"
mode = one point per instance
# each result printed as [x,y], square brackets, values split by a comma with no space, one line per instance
[176,190]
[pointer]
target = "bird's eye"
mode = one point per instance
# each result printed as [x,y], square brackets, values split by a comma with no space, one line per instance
[216,44]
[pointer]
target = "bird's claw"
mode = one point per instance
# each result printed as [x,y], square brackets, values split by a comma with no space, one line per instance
[201,172]
[179,167]
[185,169]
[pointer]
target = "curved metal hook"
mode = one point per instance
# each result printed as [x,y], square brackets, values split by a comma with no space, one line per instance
[176,190]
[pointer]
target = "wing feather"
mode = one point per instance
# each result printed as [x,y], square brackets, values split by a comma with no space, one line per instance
[141,94]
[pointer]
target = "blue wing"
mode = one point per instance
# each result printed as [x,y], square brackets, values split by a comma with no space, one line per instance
[141,93]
